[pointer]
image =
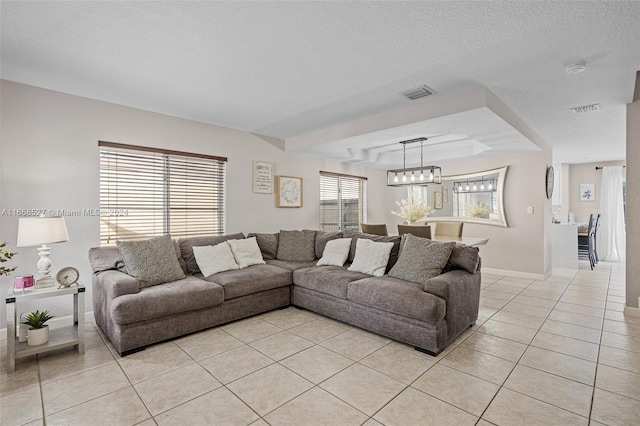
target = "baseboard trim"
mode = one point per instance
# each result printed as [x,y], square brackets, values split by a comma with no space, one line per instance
[56,322]
[515,274]
[632,312]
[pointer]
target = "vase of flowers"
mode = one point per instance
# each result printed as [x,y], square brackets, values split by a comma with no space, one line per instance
[413,210]
[477,210]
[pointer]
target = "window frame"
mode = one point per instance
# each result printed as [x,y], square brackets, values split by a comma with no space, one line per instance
[340,214]
[167,191]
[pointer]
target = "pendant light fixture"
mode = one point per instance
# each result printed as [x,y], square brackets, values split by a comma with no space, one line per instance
[435,172]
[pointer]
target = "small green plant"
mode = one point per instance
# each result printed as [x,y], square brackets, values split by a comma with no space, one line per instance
[4,256]
[37,319]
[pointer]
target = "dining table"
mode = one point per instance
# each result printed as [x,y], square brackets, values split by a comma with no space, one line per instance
[466,241]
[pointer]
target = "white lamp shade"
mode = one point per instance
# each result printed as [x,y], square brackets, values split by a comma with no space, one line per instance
[33,231]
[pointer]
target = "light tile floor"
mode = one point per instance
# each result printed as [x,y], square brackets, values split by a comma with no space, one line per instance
[559,351]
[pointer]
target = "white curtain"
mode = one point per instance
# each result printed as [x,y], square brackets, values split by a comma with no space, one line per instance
[611,235]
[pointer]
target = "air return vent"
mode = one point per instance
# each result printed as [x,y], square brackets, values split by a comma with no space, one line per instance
[418,92]
[586,108]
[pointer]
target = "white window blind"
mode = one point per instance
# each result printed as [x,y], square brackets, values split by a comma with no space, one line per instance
[343,201]
[145,192]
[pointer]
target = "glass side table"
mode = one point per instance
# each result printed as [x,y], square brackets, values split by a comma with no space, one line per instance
[62,337]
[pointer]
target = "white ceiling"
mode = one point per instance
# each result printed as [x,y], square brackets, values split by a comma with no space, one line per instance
[285,69]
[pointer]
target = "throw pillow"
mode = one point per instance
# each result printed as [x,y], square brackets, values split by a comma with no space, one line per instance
[246,252]
[322,238]
[421,259]
[464,257]
[371,257]
[152,261]
[356,235]
[187,245]
[335,252]
[214,259]
[268,244]
[297,246]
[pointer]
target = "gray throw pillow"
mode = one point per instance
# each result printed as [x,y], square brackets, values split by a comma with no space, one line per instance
[463,257]
[268,244]
[152,261]
[297,246]
[421,259]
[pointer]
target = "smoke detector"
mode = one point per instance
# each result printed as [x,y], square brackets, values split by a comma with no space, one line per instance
[586,108]
[418,92]
[576,68]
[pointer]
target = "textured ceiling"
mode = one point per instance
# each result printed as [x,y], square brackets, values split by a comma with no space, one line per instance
[284,69]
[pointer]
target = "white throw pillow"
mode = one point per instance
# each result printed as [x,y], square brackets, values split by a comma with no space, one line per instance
[214,259]
[247,252]
[371,257]
[335,252]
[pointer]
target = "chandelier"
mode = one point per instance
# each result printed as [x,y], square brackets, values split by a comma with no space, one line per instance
[423,175]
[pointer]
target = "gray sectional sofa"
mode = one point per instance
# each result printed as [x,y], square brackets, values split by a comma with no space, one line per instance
[426,313]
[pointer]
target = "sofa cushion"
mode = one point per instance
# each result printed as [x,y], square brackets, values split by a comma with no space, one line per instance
[252,279]
[333,280]
[336,252]
[187,244]
[355,235]
[399,297]
[214,259]
[268,244]
[421,259]
[151,261]
[246,252]
[371,257]
[322,238]
[106,259]
[292,266]
[188,294]
[297,246]
[463,257]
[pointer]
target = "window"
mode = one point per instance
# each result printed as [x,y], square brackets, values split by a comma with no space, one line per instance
[145,192]
[343,201]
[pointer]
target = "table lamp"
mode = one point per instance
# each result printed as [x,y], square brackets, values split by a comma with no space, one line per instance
[33,231]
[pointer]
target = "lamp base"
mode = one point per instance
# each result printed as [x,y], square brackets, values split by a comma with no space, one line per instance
[44,282]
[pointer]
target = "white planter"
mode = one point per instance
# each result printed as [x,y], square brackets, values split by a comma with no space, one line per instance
[37,336]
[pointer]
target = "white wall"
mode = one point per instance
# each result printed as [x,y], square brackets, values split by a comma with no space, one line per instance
[49,160]
[586,173]
[633,203]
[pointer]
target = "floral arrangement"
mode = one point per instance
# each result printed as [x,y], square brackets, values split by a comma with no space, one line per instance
[412,210]
[477,210]
[4,256]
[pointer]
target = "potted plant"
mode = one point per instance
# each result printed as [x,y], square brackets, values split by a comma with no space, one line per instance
[38,332]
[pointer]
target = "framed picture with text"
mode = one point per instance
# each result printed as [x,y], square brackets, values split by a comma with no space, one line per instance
[289,191]
[262,177]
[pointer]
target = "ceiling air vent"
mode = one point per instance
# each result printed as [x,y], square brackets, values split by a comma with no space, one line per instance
[586,108]
[418,92]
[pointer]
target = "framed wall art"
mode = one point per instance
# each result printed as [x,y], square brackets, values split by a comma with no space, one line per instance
[437,200]
[262,177]
[587,192]
[289,191]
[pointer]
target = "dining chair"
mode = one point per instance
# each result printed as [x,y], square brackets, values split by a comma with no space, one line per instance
[595,238]
[586,242]
[423,231]
[375,229]
[448,229]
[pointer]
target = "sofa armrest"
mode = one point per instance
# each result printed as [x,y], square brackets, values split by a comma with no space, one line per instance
[107,286]
[116,283]
[461,292]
